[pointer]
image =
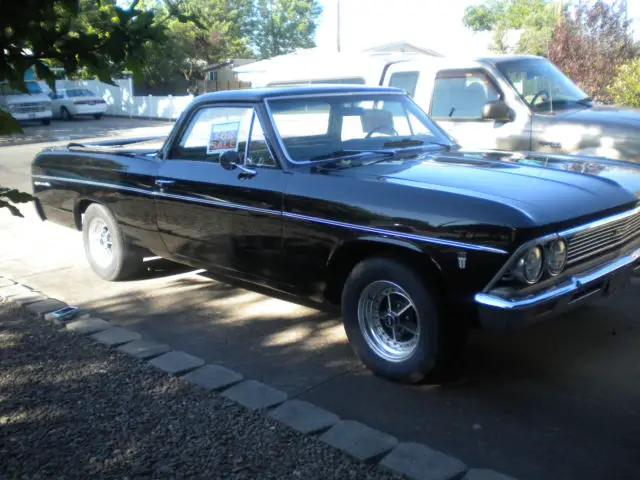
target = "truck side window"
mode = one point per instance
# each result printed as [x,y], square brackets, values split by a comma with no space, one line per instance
[405,80]
[212,131]
[259,154]
[461,95]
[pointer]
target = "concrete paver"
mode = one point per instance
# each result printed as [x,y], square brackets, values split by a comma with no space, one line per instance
[420,462]
[255,395]
[41,308]
[88,325]
[359,440]
[304,416]
[213,377]
[176,362]
[144,349]
[115,336]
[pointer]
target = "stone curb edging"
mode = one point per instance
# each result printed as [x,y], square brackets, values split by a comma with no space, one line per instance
[414,461]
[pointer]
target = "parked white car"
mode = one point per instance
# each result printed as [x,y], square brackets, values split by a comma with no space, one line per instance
[74,102]
[35,105]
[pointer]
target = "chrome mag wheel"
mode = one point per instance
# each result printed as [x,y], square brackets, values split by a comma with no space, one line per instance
[388,320]
[100,243]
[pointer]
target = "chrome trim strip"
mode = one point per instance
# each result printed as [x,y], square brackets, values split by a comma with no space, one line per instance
[599,223]
[265,211]
[95,184]
[576,282]
[409,236]
[218,203]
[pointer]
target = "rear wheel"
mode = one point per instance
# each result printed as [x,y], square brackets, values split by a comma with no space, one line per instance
[396,323]
[65,114]
[97,117]
[46,121]
[106,249]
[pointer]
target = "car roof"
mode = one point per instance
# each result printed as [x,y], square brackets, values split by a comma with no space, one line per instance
[262,93]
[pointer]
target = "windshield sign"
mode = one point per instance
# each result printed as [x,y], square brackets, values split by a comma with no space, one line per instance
[322,127]
[542,85]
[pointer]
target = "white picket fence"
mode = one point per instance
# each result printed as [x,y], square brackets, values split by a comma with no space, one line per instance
[120,101]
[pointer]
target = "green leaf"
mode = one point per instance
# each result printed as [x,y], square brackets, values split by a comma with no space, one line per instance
[8,124]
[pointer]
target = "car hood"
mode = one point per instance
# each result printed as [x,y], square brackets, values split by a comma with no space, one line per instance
[544,188]
[26,98]
[605,116]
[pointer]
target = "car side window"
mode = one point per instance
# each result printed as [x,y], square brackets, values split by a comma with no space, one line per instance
[212,131]
[258,153]
[405,80]
[462,95]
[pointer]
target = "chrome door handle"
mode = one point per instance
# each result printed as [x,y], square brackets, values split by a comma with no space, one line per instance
[164,182]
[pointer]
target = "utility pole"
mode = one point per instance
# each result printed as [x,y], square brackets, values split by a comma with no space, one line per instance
[338,25]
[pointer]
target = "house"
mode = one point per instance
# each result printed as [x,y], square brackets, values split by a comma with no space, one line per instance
[220,76]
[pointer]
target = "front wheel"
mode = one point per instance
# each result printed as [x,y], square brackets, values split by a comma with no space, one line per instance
[46,121]
[106,249]
[395,322]
[97,117]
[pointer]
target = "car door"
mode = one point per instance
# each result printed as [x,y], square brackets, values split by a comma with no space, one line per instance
[457,102]
[212,216]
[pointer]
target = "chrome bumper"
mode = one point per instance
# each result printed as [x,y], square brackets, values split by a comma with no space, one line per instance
[498,313]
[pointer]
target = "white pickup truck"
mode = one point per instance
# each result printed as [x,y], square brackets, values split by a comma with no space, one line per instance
[32,106]
[501,102]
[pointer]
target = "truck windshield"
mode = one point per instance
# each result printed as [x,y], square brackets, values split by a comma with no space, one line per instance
[542,85]
[32,87]
[327,126]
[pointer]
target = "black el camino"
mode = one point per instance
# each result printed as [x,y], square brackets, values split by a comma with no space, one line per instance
[353,196]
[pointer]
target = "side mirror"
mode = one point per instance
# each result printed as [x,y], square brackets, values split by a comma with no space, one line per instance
[498,111]
[229,159]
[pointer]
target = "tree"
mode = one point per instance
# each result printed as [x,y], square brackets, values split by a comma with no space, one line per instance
[99,36]
[534,20]
[625,88]
[591,43]
[281,26]
[224,35]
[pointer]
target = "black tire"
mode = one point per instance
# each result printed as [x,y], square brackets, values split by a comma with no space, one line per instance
[46,121]
[97,117]
[125,259]
[65,114]
[441,339]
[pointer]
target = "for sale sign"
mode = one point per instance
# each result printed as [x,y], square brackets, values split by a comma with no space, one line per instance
[224,136]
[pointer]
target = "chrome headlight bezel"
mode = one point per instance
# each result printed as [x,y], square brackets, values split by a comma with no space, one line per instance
[535,257]
[556,270]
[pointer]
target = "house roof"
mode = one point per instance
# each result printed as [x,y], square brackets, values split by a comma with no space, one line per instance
[402,46]
[232,62]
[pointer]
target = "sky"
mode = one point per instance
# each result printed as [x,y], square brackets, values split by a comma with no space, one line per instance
[366,23]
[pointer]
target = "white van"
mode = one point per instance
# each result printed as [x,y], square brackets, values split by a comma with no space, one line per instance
[500,102]
[32,106]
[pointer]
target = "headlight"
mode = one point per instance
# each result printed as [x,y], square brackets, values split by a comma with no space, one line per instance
[556,257]
[529,267]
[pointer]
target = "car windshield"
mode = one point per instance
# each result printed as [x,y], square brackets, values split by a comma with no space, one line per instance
[320,127]
[542,85]
[79,92]
[32,87]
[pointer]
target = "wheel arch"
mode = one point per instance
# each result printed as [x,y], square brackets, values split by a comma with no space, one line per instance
[80,207]
[346,255]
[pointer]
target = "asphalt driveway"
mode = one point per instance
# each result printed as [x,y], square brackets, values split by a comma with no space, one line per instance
[556,401]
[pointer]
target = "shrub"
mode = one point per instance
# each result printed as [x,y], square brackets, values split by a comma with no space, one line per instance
[625,88]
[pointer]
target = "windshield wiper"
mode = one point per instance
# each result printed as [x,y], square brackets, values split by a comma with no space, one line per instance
[351,153]
[408,142]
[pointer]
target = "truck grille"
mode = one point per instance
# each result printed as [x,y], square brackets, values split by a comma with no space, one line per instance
[592,241]
[29,107]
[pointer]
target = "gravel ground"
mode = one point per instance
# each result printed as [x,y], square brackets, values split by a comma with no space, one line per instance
[71,408]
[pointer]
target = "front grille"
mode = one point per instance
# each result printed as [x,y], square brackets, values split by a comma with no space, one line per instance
[29,107]
[592,241]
